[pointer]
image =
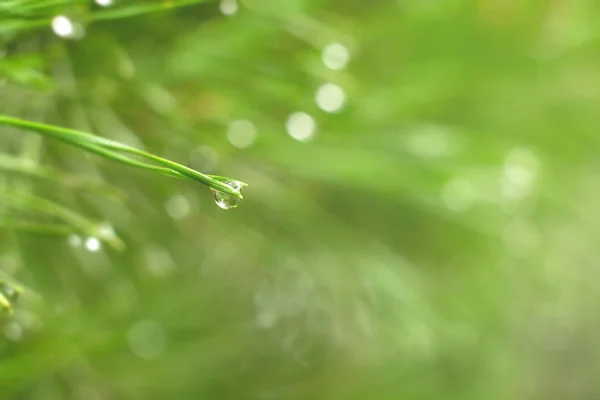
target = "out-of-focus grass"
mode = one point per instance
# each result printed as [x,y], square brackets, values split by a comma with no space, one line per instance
[434,237]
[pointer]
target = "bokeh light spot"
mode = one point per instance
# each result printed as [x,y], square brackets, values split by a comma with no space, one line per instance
[330,97]
[335,56]
[228,7]
[178,207]
[241,133]
[301,126]
[92,244]
[63,26]
[458,195]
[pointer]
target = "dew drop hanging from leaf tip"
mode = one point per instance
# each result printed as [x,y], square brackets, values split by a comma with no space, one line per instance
[225,200]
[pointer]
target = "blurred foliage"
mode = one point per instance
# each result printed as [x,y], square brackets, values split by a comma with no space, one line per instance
[435,237]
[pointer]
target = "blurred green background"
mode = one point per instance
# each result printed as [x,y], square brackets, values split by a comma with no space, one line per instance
[421,220]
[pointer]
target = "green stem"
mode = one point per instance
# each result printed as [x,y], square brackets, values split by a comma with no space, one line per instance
[46,207]
[18,165]
[141,9]
[113,13]
[109,148]
[35,227]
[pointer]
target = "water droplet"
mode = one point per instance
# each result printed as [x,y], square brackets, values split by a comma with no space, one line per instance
[301,126]
[92,244]
[330,97]
[104,3]
[335,56]
[227,201]
[228,7]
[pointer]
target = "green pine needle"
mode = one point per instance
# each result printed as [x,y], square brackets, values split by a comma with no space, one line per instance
[111,149]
